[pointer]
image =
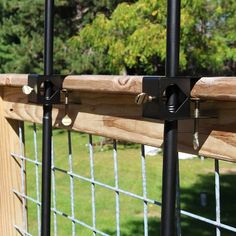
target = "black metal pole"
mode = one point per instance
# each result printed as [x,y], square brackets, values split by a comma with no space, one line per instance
[170,154]
[173,38]
[47,120]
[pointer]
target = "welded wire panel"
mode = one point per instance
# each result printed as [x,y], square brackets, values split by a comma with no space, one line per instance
[22,231]
[144,183]
[54,197]
[72,202]
[217,196]
[23,185]
[92,182]
[37,178]
[178,202]
[107,187]
[117,186]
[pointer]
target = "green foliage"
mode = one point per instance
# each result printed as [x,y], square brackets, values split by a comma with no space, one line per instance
[21,35]
[21,31]
[209,34]
[127,39]
[133,39]
[117,36]
[88,9]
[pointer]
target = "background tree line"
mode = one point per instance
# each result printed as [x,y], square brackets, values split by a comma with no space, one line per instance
[116,36]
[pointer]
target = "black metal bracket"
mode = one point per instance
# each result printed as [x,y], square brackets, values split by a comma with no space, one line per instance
[157,90]
[36,84]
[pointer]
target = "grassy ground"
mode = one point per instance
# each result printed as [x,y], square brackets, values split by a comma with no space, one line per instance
[196,176]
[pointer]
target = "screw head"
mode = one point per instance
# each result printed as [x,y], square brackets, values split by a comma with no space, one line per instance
[66,121]
[143,98]
[27,89]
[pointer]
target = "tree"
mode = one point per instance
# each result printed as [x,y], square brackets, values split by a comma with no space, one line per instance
[22,26]
[92,38]
[209,36]
[88,9]
[133,39]
[21,35]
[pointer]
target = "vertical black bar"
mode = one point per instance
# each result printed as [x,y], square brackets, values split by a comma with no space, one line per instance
[47,120]
[48,37]
[170,154]
[173,38]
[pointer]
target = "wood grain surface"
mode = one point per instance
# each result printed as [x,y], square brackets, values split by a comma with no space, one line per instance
[207,88]
[107,115]
[215,88]
[10,175]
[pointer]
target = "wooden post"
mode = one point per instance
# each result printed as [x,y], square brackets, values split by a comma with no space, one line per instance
[11,209]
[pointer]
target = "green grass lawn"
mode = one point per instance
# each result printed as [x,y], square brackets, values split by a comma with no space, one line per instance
[196,176]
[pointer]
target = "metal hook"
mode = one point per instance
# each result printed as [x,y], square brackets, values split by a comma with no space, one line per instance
[66,121]
[196,124]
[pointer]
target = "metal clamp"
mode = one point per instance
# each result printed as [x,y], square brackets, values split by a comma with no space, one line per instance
[35,88]
[156,93]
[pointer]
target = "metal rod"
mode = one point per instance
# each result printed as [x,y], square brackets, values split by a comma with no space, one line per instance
[72,192]
[178,205]
[173,38]
[37,177]
[217,196]
[170,154]
[23,176]
[115,158]
[144,183]
[48,37]
[91,158]
[54,195]
[47,120]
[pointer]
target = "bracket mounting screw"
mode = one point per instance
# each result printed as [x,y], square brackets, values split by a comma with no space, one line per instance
[143,98]
[27,89]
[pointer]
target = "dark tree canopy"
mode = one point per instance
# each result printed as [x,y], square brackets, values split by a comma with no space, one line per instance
[21,35]
[115,36]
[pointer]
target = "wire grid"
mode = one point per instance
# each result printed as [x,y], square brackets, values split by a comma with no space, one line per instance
[95,183]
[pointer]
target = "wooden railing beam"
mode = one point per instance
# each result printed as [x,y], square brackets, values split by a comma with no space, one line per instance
[11,209]
[106,115]
[207,88]
[104,105]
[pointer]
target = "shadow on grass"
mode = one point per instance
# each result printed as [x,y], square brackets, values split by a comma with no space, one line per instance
[190,201]
[135,227]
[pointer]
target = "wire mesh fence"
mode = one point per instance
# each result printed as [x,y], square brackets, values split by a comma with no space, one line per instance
[109,187]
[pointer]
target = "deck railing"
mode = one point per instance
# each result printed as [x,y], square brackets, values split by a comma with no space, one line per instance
[104,105]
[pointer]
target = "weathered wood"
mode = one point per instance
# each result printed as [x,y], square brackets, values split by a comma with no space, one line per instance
[104,83]
[13,80]
[92,83]
[207,88]
[11,210]
[106,115]
[105,105]
[215,88]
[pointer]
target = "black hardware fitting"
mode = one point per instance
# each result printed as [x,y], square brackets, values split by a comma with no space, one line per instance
[159,89]
[36,82]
